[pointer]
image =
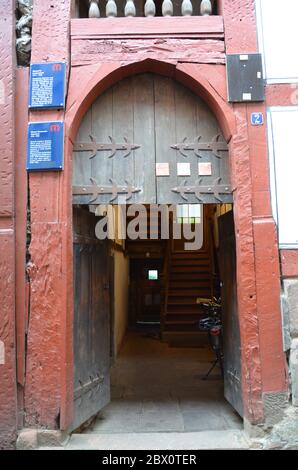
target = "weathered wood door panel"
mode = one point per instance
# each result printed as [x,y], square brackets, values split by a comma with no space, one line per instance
[91,320]
[231,332]
[140,122]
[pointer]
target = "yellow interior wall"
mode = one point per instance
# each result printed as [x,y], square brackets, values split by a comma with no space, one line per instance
[121,289]
[121,286]
[221,209]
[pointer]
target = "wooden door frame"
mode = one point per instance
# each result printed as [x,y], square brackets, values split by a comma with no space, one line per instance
[258,276]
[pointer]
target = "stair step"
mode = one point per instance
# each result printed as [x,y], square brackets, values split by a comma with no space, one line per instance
[185,280]
[189,270]
[192,254]
[191,267]
[187,300]
[190,277]
[181,303]
[188,293]
[182,308]
[189,262]
[188,285]
[191,316]
[181,327]
[187,273]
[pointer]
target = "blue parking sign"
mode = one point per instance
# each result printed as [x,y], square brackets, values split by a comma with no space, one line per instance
[257,119]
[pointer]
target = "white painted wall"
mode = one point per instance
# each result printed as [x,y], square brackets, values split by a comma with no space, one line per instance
[283,152]
[278,39]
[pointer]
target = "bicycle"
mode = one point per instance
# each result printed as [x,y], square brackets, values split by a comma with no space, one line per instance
[213,325]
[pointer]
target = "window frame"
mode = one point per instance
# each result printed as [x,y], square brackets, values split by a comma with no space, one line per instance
[273,172]
[261,43]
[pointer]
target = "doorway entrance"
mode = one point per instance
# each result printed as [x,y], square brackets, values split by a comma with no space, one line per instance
[137,336]
[148,140]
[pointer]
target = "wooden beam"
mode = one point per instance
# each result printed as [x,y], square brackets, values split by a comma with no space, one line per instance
[178,27]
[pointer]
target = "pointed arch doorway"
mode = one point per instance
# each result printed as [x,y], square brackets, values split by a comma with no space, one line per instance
[146,140]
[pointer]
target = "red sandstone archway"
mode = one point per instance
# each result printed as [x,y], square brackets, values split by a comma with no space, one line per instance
[197,79]
[257,252]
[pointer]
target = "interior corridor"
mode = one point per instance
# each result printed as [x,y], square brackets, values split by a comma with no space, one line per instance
[157,388]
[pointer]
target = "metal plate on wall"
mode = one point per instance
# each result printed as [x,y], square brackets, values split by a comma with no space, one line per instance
[245,78]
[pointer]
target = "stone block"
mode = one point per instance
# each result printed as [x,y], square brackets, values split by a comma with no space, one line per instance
[285,317]
[27,439]
[291,294]
[50,438]
[275,405]
[294,371]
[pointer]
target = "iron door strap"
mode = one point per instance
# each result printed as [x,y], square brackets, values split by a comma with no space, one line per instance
[93,383]
[111,146]
[216,189]
[215,146]
[97,190]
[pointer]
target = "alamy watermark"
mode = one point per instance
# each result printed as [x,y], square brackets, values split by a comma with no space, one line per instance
[140,222]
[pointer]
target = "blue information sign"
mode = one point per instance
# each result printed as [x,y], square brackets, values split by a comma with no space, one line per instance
[47,85]
[257,119]
[45,146]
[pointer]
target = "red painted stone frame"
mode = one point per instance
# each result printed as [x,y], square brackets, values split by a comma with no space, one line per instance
[8,388]
[257,251]
[49,365]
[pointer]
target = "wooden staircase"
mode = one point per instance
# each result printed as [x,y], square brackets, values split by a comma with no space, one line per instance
[189,276]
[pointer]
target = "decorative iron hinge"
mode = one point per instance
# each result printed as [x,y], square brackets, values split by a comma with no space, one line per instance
[215,146]
[198,190]
[92,386]
[97,190]
[113,147]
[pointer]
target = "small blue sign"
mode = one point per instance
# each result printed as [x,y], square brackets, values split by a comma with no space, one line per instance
[45,146]
[47,85]
[257,119]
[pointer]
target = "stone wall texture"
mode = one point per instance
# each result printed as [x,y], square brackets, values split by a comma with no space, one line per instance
[7,235]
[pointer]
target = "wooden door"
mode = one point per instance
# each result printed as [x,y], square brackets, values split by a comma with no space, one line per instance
[150,140]
[231,332]
[91,320]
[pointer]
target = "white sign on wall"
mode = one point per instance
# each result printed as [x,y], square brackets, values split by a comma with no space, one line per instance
[283,151]
[278,39]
